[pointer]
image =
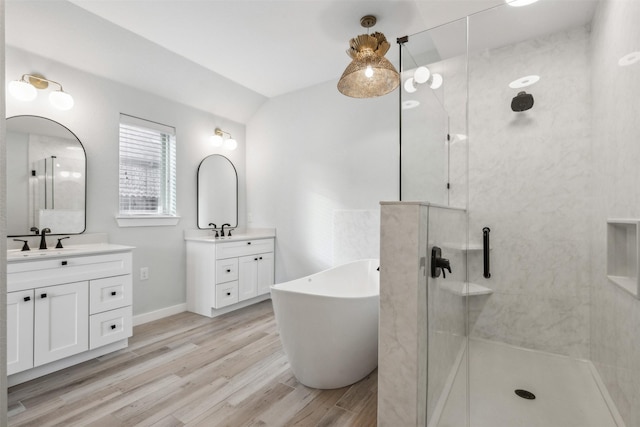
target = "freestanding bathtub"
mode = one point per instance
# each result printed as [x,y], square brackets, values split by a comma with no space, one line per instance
[328,323]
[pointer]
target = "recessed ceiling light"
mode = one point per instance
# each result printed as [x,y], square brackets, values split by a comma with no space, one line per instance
[519,3]
[628,59]
[524,82]
[409,104]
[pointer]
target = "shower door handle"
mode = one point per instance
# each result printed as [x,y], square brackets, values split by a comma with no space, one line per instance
[486,248]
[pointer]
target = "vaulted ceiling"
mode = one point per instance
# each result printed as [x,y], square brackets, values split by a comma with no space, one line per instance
[184,49]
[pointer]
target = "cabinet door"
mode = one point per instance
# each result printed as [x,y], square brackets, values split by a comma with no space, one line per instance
[247,277]
[19,331]
[61,326]
[265,273]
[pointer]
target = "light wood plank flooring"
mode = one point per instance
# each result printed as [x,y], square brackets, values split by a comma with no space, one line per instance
[189,370]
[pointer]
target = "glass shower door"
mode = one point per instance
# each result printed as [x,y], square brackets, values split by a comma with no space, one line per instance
[433,171]
[530,183]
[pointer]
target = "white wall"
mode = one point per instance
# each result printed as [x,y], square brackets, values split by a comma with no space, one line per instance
[615,313]
[94,119]
[311,155]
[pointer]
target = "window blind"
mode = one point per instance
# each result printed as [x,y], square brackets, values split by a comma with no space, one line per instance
[147,168]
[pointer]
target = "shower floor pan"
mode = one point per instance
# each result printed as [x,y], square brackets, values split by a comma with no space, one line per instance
[567,391]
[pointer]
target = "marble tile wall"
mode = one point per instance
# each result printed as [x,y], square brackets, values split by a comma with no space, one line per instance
[356,235]
[414,305]
[402,303]
[615,314]
[529,181]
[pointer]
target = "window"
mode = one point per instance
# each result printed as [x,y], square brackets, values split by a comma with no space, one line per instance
[147,168]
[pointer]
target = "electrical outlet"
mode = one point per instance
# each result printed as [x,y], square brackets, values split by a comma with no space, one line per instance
[144,273]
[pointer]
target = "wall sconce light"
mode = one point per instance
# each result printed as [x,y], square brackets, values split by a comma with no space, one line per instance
[25,89]
[423,75]
[218,140]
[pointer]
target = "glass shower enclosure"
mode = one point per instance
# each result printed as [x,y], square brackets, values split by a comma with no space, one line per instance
[529,133]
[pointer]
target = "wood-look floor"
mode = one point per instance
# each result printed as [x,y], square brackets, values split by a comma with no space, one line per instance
[189,370]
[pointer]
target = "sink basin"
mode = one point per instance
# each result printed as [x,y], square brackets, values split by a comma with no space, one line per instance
[17,255]
[37,253]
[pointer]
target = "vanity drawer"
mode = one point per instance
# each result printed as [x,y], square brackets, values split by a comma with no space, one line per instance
[109,293]
[226,270]
[110,326]
[34,274]
[243,248]
[226,294]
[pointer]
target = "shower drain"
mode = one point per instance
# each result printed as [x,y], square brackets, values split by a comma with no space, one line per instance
[525,394]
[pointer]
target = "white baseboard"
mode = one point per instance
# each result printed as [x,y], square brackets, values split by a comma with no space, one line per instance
[139,319]
[606,396]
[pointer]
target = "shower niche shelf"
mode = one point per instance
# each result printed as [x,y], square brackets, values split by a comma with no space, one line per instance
[623,251]
[461,289]
[471,247]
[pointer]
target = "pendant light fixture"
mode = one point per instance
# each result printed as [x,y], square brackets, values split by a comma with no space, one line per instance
[370,74]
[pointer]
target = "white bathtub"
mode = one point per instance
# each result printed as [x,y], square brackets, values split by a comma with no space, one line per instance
[328,324]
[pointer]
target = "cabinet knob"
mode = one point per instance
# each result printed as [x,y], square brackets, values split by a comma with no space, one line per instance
[64,263]
[255,259]
[260,257]
[228,294]
[248,243]
[113,293]
[228,270]
[113,326]
[43,295]
[27,299]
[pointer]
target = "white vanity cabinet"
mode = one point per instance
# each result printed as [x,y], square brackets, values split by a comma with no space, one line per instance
[19,331]
[228,273]
[65,309]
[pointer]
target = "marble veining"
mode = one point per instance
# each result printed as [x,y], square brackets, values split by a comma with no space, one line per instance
[615,314]
[422,325]
[529,182]
[356,235]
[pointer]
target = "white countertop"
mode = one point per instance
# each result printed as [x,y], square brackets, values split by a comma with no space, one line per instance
[209,235]
[16,255]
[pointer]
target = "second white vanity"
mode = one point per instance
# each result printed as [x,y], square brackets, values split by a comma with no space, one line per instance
[224,274]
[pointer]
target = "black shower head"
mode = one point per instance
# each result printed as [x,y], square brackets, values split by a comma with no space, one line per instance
[522,102]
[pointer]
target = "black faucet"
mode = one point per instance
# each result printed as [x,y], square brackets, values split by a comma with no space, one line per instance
[223,225]
[35,230]
[214,227]
[25,246]
[43,241]
[59,245]
[439,264]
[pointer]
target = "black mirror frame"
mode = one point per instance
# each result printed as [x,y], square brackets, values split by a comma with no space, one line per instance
[86,179]
[198,191]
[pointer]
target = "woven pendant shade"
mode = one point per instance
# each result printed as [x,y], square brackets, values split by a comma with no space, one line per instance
[369,74]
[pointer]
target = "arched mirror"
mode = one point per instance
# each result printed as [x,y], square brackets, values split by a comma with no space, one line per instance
[217,192]
[46,177]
